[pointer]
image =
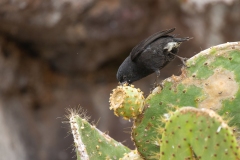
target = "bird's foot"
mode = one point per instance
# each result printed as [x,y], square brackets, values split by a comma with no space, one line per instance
[159,85]
[156,88]
[183,59]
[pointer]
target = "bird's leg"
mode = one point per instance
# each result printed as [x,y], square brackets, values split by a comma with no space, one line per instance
[181,58]
[158,74]
[157,82]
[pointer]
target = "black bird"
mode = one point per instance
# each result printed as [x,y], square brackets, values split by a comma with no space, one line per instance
[149,56]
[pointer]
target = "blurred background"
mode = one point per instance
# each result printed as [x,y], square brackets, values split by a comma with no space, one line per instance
[58,54]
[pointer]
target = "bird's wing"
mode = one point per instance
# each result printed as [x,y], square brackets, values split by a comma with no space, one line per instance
[137,50]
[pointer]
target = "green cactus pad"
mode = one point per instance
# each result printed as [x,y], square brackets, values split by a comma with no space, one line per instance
[211,80]
[127,101]
[92,144]
[196,134]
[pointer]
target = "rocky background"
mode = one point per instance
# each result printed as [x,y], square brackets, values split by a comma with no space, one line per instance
[58,54]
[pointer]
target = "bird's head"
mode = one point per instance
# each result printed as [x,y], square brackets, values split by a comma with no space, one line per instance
[123,77]
[127,72]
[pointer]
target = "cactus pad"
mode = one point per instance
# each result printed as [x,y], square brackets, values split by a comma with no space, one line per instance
[194,134]
[92,144]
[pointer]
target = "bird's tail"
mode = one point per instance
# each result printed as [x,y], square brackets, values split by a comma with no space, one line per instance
[182,39]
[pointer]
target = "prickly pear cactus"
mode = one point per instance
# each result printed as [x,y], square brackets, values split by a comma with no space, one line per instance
[208,130]
[210,80]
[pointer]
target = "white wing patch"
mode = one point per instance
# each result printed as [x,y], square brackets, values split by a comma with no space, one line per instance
[171,45]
